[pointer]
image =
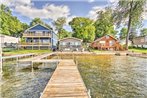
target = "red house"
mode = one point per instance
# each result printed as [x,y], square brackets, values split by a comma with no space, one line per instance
[106,42]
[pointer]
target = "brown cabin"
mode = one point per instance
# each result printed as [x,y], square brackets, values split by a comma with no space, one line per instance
[106,42]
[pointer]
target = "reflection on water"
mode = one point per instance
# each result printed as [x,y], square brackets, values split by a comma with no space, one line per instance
[24,82]
[114,76]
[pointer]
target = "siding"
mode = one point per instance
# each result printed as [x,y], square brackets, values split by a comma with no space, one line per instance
[142,40]
[38,27]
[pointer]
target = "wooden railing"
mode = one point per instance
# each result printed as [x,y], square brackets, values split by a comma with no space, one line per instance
[30,43]
[36,34]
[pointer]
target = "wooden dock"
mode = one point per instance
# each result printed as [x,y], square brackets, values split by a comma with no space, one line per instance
[39,57]
[18,56]
[66,82]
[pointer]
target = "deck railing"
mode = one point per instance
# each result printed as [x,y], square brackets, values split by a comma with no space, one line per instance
[37,34]
[34,43]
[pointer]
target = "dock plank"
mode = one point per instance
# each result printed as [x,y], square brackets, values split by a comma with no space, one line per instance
[36,58]
[66,82]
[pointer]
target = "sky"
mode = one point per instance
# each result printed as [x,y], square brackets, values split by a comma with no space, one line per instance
[50,10]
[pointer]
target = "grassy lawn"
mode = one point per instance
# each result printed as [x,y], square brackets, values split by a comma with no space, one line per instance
[15,52]
[139,50]
[95,50]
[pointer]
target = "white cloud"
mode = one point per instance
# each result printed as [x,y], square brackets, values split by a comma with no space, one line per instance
[93,13]
[22,2]
[57,11]
[49,11]
[69,19]
[91,1]
[113,1]
[6,2]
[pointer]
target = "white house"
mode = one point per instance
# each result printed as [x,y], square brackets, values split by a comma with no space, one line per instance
[123,42]
[140,41]
[8,40]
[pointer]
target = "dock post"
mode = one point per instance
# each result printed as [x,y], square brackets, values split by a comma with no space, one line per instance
[58,55]
[1,61]
[17,58]
[89,96]
[32,66]
[1,64]
[73,56]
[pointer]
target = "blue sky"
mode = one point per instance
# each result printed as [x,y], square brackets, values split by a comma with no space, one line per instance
[50,10]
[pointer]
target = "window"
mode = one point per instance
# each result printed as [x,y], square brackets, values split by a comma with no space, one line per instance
[76,43]
[111,42]
[63,43]
[102,42]
[142,40]
[107,37]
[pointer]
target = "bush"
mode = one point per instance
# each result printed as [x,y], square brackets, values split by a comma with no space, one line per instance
[8,49]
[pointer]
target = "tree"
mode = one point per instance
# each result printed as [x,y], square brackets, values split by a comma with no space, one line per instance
[104,24]
[59,23]
[64,33]
[123,33]
[38,21]
[83,28]
[143,32]
[10,25]
[131,10]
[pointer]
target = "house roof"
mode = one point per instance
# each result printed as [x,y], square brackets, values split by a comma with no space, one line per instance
[141,36]
[38,27]
[70,38]
[103,37]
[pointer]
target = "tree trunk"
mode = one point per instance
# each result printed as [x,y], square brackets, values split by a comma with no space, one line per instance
[128,32]
[59,35]
[59,31]
[129,24]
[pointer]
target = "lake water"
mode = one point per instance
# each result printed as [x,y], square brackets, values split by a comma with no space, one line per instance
[23,82]
[114,76]
[106,76]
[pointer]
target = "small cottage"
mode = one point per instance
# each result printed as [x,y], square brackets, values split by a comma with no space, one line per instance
[9,41]
[70,44]
[106,42]
[140,41]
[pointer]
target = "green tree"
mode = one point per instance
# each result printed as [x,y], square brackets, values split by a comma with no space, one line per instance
[64,33]
[123,33]
[143,32]
[59,23]
[104,24]
[83,28]
[131,10]
[38,21]
[10,25]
